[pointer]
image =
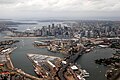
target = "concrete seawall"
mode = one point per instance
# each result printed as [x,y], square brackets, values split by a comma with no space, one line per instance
[11,67]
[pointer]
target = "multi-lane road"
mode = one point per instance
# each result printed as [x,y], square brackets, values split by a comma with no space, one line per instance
[71,59]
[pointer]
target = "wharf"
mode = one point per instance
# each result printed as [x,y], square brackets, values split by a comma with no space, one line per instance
[45,66]
[9,63]
[8,59]
[10,66]
[28,75]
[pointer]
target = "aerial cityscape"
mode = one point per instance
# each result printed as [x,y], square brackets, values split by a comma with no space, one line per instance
[59,40]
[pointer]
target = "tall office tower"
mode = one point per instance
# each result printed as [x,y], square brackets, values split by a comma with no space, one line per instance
[86,33]
[91,34]
[44,31]
[53,26]
[49,31]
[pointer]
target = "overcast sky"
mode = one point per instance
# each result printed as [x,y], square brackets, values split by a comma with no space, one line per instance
[69,9]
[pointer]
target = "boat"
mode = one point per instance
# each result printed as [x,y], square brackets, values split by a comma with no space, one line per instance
[88,50]
[49,48]
[80,78]
[103,46]
[86,74]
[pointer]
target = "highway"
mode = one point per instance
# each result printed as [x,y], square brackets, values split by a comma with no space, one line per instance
[71,59]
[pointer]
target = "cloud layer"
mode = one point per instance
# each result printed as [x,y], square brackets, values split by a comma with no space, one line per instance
[60,7]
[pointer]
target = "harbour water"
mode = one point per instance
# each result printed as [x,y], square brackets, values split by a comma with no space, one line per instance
[20,60]
[25,46]
[97,72]
[34,26]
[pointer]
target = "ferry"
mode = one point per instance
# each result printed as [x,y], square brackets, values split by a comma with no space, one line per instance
[86,74]
[103,46]
[88,50]
[49,48]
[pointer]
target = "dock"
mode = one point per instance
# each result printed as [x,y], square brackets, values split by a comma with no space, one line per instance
[9,62]
[10,65]
[27,75]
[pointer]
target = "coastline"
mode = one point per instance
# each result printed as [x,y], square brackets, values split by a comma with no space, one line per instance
[8,37]
[9,61]
[11,67]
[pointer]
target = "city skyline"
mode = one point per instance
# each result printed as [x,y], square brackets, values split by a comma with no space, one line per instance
[60,9]
[59,40]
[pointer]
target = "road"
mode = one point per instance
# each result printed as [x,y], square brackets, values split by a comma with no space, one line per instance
[71,59]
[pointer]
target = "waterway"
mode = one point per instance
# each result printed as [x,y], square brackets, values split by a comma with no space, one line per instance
[20,60]
[25,46]
[97,72]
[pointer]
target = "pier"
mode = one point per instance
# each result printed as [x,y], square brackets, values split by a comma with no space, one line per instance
[27,75]
[10,65]
[9,62]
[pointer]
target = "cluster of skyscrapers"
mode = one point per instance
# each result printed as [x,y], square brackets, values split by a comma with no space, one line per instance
[90,29]
[93,29]
[54,30]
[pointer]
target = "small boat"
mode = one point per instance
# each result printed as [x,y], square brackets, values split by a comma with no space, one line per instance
[86,74]
[88,50]
[103,46]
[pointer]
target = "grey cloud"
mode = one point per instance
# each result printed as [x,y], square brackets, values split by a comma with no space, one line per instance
[7,1]
[43,8]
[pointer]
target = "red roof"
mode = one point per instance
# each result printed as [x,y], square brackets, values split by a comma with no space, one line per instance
[1,64]
[5,73]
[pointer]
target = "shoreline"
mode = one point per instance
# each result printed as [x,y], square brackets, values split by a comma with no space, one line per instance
[7,37]
[11,67]
[9,61]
